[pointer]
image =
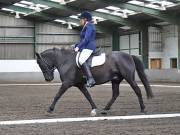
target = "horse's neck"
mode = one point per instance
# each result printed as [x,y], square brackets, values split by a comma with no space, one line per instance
[65,63]
[64,59]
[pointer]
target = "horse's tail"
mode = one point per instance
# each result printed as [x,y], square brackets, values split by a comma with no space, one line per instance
[140,70]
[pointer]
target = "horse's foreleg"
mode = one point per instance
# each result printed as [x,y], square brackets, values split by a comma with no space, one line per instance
[115,94]
[61,91]
[88,97]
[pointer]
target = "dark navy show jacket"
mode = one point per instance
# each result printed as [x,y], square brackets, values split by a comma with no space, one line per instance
[87,37]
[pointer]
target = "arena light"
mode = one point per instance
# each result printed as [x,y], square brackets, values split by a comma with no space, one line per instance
[94,21]
[60,21]
[136,2]
[26,2]
[69,26]
[74,16]
[19,5]
[62,2]
[37,8]
[125,27]
[102,10]
[74,24]
[125,15]
[163,5]
[7,9]
[17,15]
[98,19]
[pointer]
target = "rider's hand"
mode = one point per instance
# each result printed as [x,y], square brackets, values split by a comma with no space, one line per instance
[76,49]
[73,46]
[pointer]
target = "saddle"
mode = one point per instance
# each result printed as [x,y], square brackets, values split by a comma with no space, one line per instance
[96,59]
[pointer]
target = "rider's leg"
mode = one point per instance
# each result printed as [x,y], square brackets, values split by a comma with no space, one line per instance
[85,54]
[87,72]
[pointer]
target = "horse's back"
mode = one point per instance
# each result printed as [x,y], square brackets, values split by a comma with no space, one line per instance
[122,58]
[124,62]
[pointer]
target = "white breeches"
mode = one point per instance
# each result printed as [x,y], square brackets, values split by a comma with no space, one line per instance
[84,55]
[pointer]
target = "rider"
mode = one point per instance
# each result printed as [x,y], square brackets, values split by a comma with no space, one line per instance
[86,45]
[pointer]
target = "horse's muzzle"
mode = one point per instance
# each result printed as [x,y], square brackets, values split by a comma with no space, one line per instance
[49,78]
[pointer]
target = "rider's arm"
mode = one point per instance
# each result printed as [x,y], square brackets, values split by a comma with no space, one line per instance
[88,34]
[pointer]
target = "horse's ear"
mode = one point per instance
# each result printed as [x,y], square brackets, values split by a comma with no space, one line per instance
[38,55]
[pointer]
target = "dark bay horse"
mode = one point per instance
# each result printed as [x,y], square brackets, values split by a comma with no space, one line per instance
[118,66]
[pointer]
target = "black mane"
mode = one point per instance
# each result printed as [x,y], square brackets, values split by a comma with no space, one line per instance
[58,50]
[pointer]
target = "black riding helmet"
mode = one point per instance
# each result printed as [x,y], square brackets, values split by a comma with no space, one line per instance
[86,14]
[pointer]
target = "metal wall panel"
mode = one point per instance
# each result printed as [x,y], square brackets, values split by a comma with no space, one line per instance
[130,44]
[12,21]
[16,38]
[170,31]
[18,31]
[134,44]
[54,35]
[13,51]
[124,42]
[105,43]
[57,30]
[155,40]
[134,41]
[170,44]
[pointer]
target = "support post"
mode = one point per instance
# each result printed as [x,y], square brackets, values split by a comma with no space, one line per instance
[35,42]
[115,40]
[145,47]
[178,58]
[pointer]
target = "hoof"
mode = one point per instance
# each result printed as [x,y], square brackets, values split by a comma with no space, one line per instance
[143,111]
[104,112]
[93,113]
[50,110]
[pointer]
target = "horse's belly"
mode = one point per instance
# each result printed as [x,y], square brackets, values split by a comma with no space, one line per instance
[103,74]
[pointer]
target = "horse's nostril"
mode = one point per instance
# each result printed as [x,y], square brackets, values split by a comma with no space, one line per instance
[48,80]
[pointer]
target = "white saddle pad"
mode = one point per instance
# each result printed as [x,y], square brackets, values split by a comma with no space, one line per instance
[96,60]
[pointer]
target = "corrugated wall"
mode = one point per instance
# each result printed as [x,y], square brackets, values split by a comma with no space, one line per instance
[15,38]
[155,40]
[170,41]
[105,43]
[130,44]
[54,35]
[163,44]
[19,38]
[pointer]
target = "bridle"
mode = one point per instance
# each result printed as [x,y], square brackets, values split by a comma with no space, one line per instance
[47,65]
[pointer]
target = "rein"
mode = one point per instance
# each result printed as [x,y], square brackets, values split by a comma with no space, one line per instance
[47,65]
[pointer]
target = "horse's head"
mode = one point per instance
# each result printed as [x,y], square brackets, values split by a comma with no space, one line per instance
[46,67]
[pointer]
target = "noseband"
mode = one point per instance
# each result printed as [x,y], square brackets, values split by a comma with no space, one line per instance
[47,65]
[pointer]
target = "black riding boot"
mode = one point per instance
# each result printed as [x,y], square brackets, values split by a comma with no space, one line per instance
[87,72]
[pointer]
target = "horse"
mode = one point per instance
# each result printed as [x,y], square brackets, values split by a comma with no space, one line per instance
[118,66]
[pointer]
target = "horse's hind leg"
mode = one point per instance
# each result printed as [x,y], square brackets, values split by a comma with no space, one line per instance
[115,93]
[137,90]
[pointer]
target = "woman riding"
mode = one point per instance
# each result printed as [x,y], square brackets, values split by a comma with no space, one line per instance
[87,45]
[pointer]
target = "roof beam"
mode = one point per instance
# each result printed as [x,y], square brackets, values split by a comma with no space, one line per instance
[51,4]
[76,10]
[99,29]
[51,17]
[30,12]
[175,1]
[152,12]
[117,19]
